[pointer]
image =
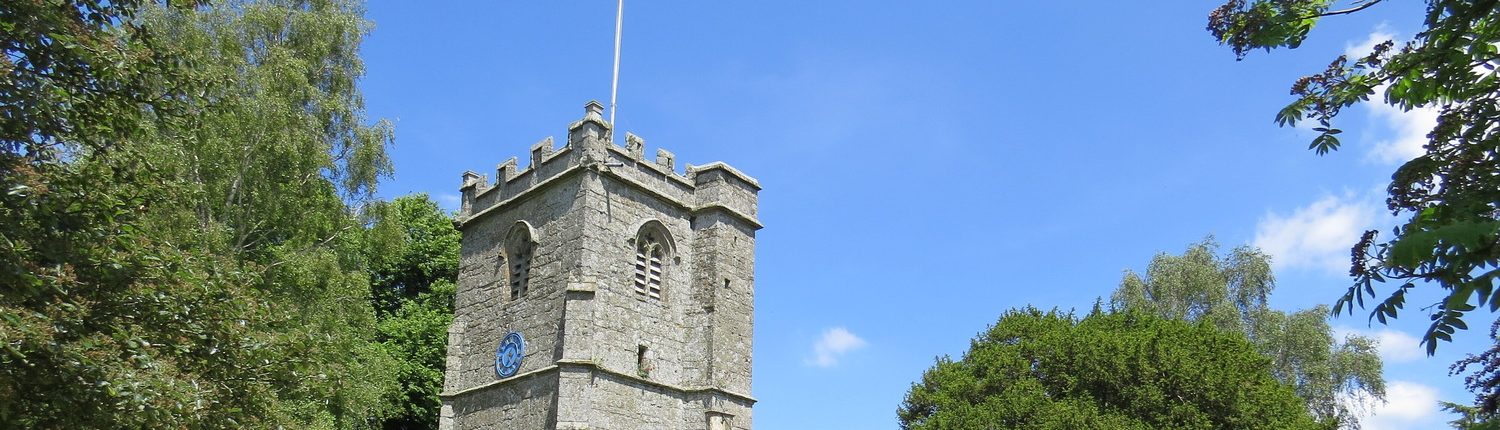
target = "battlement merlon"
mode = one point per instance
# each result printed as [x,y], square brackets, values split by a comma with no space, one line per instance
[592,127]
[589,147]
[473,184]
[717,185]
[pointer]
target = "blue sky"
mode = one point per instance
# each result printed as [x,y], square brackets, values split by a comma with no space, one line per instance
[928,165]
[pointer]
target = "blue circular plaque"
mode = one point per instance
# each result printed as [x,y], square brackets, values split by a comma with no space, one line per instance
[508,355]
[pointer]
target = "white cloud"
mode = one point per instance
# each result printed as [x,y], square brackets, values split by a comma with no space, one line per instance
[1394,346]
[834,344]
[1361,49]
[1406,131]
[1315,236]
[1408,405]
[1400,134]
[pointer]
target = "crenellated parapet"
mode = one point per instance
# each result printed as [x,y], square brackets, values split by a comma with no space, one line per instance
[589,148]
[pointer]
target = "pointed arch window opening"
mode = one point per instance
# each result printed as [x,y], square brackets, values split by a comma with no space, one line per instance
[649,265]
[516,259]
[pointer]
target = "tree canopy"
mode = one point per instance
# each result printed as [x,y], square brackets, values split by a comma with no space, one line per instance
[181,191]
[80,75]
[1130,370]
[1231,293]
[1450,195]
[414,266]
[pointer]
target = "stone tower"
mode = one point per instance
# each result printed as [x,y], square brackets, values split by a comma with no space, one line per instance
[601,290]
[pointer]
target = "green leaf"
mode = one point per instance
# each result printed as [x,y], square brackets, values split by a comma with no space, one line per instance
[1324,143]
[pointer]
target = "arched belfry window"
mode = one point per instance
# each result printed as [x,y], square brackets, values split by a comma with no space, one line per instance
[652,253]
[520,246]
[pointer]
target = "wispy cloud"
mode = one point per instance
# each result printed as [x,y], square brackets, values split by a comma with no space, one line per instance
[1394,346]
[449,202]
[1408,405]
[1316,236]
[833,345]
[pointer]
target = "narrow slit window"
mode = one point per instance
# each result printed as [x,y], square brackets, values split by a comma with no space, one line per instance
[642,367]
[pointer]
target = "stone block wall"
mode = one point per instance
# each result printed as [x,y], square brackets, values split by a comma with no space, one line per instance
[604,355]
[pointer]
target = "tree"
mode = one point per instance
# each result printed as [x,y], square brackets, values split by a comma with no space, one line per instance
[414,268]
[418,247]
[188,261]
[1036,370]
[78,352]
[79,75]
[416,336]
[267,174]
[1451,194]
[1230,293]
[1485,379]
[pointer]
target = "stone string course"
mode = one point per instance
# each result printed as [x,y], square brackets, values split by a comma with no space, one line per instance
[583,321]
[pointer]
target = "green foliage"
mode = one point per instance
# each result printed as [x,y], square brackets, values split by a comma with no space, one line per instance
[79,75]
[1230,293]
[1036,370]
[417,337]
[1470,417]
[1451,194]
[413,247]
[1265,24]
[113,326]
[188,262]
[413,255]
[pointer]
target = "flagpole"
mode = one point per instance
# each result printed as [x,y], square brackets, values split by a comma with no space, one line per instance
[614,89]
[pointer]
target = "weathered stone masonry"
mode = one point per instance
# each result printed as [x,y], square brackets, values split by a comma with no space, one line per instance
[638,297]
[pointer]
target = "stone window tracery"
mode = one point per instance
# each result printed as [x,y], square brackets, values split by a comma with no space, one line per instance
[520,271]
[519,250]
[651,253]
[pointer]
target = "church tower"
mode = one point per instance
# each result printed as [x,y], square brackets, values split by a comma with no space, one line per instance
[601,290]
